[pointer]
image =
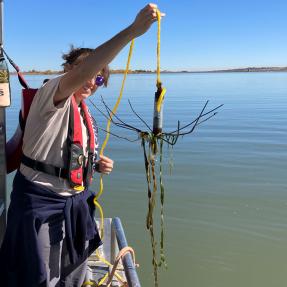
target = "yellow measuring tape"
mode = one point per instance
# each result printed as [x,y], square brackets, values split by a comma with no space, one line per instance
[114,110]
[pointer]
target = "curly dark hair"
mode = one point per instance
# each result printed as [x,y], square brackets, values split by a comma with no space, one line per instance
[79,54]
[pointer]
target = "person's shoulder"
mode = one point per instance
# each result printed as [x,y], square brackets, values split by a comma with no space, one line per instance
[51,83]
[44,98]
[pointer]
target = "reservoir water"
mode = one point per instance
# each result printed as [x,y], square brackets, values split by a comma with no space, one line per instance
[226,198]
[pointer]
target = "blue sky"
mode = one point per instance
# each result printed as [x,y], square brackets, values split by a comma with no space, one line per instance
[196,35]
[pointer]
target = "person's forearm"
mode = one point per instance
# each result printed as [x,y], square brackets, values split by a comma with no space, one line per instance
[91,65]
[105,53]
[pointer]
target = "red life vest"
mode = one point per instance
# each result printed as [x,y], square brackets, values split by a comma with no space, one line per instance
[14,145]
[79,169]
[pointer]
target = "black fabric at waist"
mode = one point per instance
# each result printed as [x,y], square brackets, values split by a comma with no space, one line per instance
[31,205]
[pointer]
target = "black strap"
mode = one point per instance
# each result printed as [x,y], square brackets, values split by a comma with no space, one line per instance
[96,167]
[44,167]
[22,122]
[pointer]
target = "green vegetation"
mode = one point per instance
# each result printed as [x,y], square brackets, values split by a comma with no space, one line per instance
[4,77]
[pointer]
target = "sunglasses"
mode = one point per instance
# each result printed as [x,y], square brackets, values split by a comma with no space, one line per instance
[100,80]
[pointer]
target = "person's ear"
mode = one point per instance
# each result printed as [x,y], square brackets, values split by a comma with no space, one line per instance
[67,67]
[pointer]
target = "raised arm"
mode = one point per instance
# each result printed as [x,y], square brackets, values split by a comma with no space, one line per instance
[104,54]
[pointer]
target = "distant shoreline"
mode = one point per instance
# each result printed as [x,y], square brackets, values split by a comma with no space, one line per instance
[236,70]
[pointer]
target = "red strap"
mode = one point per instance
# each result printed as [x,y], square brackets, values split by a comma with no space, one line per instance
[27,98]
[90,126]
[77,123]
[76,174]
[20,76]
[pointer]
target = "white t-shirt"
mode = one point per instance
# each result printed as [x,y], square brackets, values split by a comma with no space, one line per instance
[45,137]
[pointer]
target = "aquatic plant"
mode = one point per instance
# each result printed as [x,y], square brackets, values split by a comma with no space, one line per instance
[152,142]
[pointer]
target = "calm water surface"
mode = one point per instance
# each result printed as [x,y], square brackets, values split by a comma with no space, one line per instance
[226,199]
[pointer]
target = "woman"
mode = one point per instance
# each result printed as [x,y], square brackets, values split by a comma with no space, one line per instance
[50,229]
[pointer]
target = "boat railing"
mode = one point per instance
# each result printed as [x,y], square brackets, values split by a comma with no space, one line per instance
[114,240]
[129,267]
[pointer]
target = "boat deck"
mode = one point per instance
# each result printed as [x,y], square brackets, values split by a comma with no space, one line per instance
[114,239]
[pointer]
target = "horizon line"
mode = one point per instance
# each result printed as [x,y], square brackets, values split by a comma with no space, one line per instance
[139,71]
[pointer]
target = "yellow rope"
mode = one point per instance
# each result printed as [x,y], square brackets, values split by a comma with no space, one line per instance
[114,110]
[108,136]
[119,99]
[158,82]
[158,48]
[102,259]
[101,177]
[160,100]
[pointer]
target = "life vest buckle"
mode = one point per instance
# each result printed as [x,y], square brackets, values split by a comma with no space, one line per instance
[79,188]
[81,160]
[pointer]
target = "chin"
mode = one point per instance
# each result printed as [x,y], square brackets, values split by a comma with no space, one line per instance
[85,96]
